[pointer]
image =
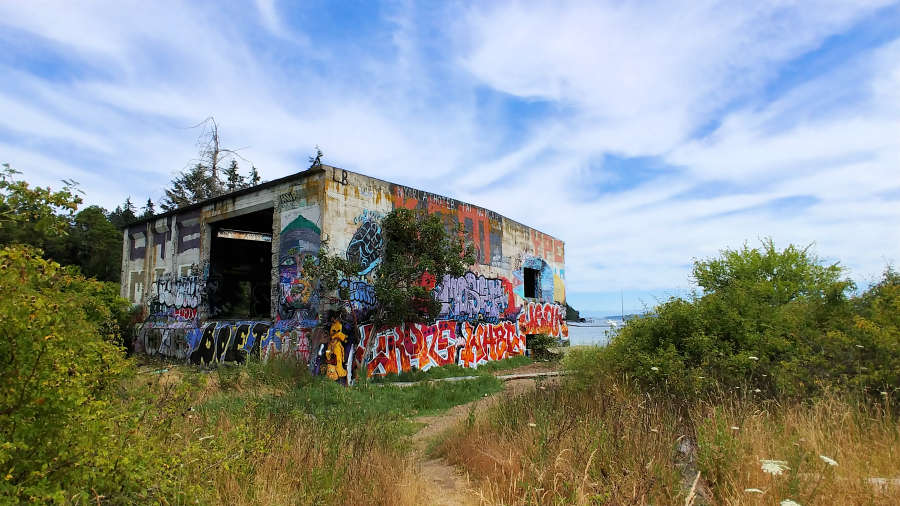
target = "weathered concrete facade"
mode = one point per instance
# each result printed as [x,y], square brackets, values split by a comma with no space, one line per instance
[224,278]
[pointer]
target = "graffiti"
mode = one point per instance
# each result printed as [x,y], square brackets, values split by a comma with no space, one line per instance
[300,238]
[474,297]
[286,338]
[543,318]
[550,286]
[366,246]
[169,342]
[226,341]
[417,346]
[361,296]
[487,342]
[176,298]
[482,227]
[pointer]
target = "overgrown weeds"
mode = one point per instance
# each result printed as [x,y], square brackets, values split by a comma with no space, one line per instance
[611,443]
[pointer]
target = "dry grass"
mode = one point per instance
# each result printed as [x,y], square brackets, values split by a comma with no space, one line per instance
[261,434]
[612,445]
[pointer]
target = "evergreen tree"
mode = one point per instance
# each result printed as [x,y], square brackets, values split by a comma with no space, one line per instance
[191,186]
[254,176]
[149,209]
[123,214]
[233,179]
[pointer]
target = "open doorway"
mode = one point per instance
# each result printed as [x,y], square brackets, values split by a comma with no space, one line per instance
[240,267]
[532,282]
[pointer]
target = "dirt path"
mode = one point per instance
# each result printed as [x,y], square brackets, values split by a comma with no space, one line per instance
[449,485]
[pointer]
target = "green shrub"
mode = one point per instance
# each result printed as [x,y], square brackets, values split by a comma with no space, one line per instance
[59,382]
[773,323]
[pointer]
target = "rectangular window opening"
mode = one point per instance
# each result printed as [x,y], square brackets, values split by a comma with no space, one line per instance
[240,267]
[532,281]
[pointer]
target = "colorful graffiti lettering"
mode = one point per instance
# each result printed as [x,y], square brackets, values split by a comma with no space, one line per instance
[226,341]
[473,297]
[417,346]
[543,318]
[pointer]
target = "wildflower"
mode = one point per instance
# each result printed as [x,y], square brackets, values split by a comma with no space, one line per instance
[654,368]
[828,460]
[751,357]
[757,390]
[753,491]
[530,424]
[773,467]
[788,502]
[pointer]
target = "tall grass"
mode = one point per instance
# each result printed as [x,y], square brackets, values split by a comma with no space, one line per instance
[266,434]
[610,443]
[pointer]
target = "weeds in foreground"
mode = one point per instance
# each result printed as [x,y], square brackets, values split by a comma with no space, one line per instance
[265,434]
[612,444]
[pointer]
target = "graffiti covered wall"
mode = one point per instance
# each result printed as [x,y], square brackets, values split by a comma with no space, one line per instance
[515,288]
[485,314]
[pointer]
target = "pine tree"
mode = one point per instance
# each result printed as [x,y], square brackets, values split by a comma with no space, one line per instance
[233,179]
[149,209]
[191,186]
[254,176]
[123,214]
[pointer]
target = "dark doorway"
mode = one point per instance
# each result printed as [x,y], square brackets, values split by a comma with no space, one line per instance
[532,276]
[240,267]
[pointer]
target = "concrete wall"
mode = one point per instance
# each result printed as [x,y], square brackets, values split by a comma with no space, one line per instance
[485,314]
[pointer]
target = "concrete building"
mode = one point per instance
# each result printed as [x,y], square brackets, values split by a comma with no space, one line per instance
[223,278]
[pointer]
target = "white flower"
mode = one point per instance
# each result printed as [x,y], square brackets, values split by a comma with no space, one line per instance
[788,502]
[751,357]
[654,368]
[757,390]
[828,460]
[773,467]
[754,491]
[532,425]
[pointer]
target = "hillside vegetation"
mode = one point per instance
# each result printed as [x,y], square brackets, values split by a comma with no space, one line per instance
[772,383]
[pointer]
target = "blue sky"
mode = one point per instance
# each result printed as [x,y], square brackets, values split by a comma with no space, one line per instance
[643,134]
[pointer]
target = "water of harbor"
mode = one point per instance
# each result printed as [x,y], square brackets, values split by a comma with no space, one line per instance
[593,333]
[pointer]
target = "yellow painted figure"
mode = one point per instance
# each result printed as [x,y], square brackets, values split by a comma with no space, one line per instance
[334,355]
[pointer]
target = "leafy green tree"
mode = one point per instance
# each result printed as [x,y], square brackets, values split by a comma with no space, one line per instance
[96,245]
[764,320]
[35,215]
[418,250]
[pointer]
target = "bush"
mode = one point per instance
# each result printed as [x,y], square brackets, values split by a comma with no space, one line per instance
[774,323]
[59,377]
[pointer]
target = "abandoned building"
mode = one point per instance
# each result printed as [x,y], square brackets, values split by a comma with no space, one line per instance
[223,278]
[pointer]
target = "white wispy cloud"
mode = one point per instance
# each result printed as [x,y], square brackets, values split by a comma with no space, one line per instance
[515,106]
